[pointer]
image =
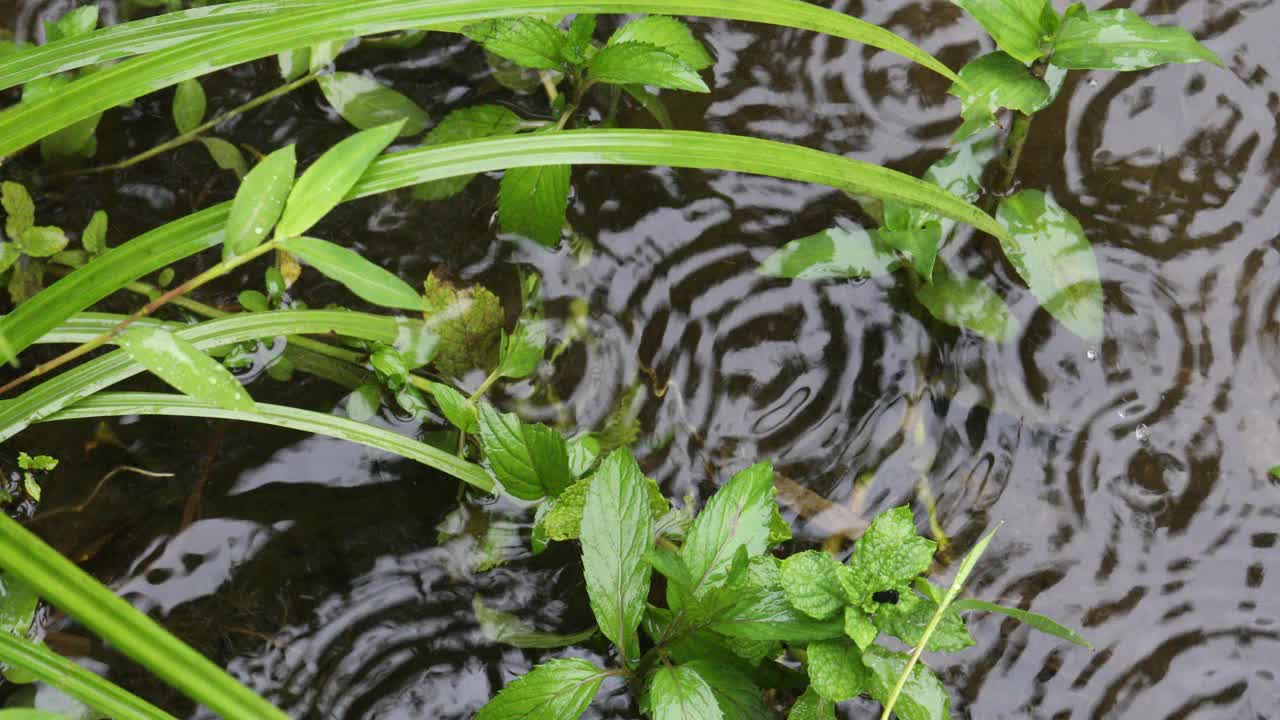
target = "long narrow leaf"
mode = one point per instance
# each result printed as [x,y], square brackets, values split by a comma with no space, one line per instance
[71,589]
[165,245]
[91,689]
[84,380]
[329,21]
[117,404]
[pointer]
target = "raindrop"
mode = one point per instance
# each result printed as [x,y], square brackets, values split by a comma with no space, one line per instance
[1091,354]
[1143,433]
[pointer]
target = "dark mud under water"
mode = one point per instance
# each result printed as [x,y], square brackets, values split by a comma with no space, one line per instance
[1130,475]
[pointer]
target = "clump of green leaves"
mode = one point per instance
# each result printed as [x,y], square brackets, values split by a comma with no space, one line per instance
[735,615]
[31,247]
[30,466]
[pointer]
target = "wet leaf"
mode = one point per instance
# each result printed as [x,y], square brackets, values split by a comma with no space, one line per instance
[469,323]
[811,583]
[520,352]
[644,64]
[923,696]
[366,104]
[665,33]
[532,202]
[466,124]
[616,533]
[680,693]
[1049,250]
[455,406]
[530,461]
[738,697]
[18,602]
[908,618]
[834,253]
[42,241]
[812,706]
[758,609]
[367,280]
[506,628]
[189,105]
[364,403]
[887,557]
[1019,27]
[19,208]
[920,244]
[556,690]
[322,55]
[329,178]
[992,82]
[527,41]
[577,44]
[94,237]
[968,303]
[259,202]
[836,670]
[80,21]
[1122,40]
[736,517]
[1035,620]
[652,103]
[858,627]
[226,156]
[294,63]
[178,362]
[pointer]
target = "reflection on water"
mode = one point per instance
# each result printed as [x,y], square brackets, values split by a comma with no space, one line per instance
[1130,474]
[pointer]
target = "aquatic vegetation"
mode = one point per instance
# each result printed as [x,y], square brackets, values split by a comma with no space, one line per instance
[732,610]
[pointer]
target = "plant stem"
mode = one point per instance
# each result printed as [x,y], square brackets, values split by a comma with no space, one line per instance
[196,132]
[484,386]
[212,273]
[1012,153]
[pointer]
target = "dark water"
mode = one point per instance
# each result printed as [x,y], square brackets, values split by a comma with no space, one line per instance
[1130,475]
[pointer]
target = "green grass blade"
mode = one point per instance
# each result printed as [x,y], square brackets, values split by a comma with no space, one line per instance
[329,21]
[117,404]
[91,689]
[69,588]
[187,236]
[84,380]
[1037,621]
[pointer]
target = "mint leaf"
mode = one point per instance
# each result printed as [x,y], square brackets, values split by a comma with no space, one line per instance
[469,322]
[811,583]
[907,619]
[577,45]
[532,202]
[455,406]
[583,451]
[992,82]
[735,693]
[564,518]
[887,558]
[366,103]
[556,690]
[812,706]
[665,33]
[467,124]
[760,610]
[736,517]
[1122,40]
[530,461]
[80,21]
[923,697]
[644,64]
[520,352]
[834,253]
[858,627]
[680,693]
[617,532]
[1050,251]
[836,670]
[526,41]
[1019,27]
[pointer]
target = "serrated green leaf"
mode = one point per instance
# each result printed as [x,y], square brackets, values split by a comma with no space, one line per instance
[530,461]
[1019,27]
[556,690]
[835,253]
[42,241]
[259,201]
[812,706]
[329,178]
[583,451]
[923,696]
[858,627]
[836,670]
[779,528]
[968,303]
[1122,40]
[992,82]
[758,608]
[811,583]
[888,557]
[367,280]
[665,33]
[1049,249]
[465,124]
[644,64]
[77,22]
[94,237]
[532,202]
[529,42]
[577,44]
[564,519]
[506,628]
[457,409]
[908,618]
[19,208]
[521,352]
[680,693]
[366,103]
[469,322]
[736,517]
[1039,622]
[176,361]
[735,693]
[617,532]
[226,156]
[189,105]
